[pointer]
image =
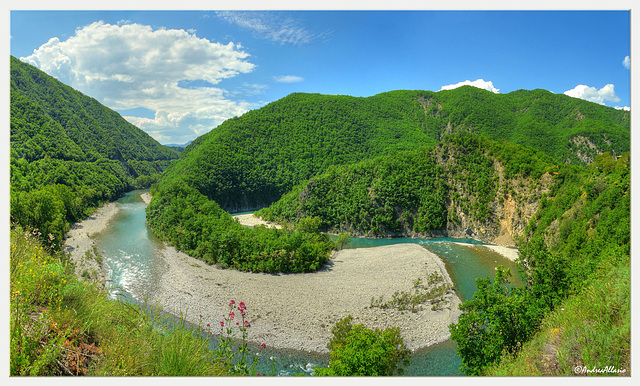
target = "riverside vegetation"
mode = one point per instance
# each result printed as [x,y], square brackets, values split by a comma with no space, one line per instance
[546,173]
[70,154]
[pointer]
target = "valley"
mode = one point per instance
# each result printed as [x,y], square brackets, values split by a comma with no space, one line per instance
[546,174]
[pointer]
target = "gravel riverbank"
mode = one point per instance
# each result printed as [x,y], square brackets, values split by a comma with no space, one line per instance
[80,243]
[297,311]
[293,311]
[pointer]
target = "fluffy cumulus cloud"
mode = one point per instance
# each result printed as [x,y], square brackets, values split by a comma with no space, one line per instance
[592,94]
[479,83]
[626,62]
[127,66]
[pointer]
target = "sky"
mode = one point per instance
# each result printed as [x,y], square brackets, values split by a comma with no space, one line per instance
[179,74]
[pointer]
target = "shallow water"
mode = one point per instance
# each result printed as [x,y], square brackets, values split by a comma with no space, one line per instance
[131,253]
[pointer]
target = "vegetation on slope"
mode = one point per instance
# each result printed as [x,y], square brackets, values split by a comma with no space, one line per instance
[251,161]
[586,332]
[579,237]
[198,226]
[416,192]
[70,154]
[62,326]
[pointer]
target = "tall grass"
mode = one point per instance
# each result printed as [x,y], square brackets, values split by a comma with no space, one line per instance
[62,326]
[589,331]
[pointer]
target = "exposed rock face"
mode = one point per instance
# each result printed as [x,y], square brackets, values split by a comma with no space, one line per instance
[585,149]
[515,203]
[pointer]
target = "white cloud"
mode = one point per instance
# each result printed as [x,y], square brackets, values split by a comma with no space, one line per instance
[592,94]
[288,78]
[270,25]
[625,108]
[131,65]
[627,62]
[479,83]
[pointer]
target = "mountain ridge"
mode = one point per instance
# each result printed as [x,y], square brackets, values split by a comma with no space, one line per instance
[69,154]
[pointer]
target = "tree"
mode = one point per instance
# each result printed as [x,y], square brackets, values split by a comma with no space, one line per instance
[498,319]
[360,351]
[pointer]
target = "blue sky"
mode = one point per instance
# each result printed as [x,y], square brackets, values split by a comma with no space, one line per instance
[179,74]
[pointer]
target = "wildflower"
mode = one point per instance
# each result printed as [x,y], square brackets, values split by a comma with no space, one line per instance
[263,345]
[221,323]
[247,324]
[231,315]
[241,306]
[208,325]
[232,302]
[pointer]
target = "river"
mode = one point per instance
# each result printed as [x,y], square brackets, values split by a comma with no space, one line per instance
[130,250]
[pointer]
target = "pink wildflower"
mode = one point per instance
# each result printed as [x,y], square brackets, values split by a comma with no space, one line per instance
[231,315]
[221,323]
[232,302]
[241,306]
[247,324]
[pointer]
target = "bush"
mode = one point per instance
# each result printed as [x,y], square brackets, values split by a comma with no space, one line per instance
[360,351]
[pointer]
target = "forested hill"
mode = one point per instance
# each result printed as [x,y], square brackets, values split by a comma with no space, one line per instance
[69,153]
[250,161]
[50,119]
[465,187]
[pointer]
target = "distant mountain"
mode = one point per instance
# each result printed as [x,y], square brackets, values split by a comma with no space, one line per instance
[69,153]
[250,161]
[178,148]
[176,145]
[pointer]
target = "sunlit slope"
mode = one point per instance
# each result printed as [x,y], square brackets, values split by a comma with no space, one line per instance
[69,153]
[252,160]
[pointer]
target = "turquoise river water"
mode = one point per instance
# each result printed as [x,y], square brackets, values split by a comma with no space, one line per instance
[130,250]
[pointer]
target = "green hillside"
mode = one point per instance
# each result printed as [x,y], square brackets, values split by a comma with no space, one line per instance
[575,308]
[251,161]
[460,188]
[70,154]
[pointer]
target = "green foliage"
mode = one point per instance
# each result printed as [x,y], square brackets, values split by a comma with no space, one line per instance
[360,351]
[432,292]
[252,160]
[199,227]
[590,330]
[62,326]
[413,191]
[343,239]
[497,320]
[69,154]
[581,232]
[310,224]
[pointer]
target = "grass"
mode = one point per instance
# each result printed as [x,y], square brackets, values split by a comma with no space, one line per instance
[432,292]
[590,330]
[62,326]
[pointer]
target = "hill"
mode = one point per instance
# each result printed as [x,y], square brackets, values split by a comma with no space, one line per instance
[69,153]
[575,308]
[249,162]
[466,187]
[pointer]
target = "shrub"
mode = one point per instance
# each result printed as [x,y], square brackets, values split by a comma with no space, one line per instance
[360,351]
